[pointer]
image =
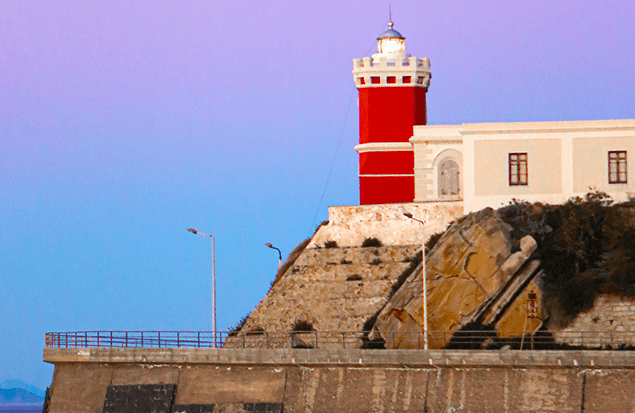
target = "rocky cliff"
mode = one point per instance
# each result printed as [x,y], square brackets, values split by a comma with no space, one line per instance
[507,272]
[472,277]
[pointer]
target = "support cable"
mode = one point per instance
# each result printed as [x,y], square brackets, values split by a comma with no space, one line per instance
[339,141]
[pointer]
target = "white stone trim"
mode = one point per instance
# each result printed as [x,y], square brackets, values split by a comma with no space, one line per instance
[383,147]
[584,126]
[382,67]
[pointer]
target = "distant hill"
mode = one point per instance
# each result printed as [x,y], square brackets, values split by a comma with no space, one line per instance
[19,396]
[19,384]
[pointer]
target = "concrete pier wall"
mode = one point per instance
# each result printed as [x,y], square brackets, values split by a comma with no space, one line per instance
[293,380]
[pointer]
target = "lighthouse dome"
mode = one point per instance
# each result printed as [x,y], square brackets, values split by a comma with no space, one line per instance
[391,41]
[390,33]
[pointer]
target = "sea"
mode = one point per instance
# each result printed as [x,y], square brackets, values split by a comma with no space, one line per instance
[22,409]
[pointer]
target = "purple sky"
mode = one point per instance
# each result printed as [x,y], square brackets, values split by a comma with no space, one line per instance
[122,123]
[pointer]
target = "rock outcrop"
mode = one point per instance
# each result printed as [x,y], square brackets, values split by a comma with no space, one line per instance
[472,277]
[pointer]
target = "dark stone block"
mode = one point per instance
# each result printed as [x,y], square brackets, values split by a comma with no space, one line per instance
[147,398]
[263,407]
[275,408]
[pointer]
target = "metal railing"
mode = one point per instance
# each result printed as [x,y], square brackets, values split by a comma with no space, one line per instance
[146,339]
[562,340]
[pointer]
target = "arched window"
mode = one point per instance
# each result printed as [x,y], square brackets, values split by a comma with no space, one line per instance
[448,178]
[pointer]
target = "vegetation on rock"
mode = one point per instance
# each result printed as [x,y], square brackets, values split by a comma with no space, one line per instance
[236,329]
[302,325]
[586,247]
[290,260]
[371,242]
[375,261]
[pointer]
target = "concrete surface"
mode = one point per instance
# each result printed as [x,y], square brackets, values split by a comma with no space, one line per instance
[353,380]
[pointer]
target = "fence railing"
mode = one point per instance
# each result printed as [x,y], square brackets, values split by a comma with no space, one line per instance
[561,340]
[148,339]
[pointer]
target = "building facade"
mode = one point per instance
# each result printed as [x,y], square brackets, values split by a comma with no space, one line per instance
[402,159]
[489,164]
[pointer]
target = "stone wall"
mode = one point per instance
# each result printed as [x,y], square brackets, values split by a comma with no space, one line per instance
[335,289]
[351,380]
[611,322]
[350,225]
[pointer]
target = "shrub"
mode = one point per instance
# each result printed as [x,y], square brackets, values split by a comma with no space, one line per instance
[432,241]
[236,328]
[326,222]
[345,261]
[367,343]
[330,244]
[585,246]
[290,260]
[302,325]
[354,277]
[414,263]
[371,242]
[375,261]
[256,331]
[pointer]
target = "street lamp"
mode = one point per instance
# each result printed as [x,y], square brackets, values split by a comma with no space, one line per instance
[423,277]
[268,244]
[195,232]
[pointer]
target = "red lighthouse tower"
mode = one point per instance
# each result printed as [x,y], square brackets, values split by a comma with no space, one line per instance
[392,89]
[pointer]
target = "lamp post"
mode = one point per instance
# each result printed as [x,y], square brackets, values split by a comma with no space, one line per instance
[268,244]
[424,292]
[195,232]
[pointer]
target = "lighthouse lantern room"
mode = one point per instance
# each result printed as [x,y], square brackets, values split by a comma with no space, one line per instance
[392,89]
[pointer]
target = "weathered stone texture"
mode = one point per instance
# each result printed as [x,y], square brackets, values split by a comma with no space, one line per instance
[144,374]
[79,387]
[362,381]
[472,275]
[609,391]
[611,322]
[363,389]
[229,384]
[318,289]
[350,225]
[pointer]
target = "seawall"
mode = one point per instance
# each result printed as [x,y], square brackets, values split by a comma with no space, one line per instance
[295,380]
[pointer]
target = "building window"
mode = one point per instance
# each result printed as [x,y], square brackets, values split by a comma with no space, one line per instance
[374,80]
[518,169]
[391,79]
[406,79]
[361,80]
[448,178]
[617,167]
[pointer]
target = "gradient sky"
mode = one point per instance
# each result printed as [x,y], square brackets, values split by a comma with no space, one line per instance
[122,123]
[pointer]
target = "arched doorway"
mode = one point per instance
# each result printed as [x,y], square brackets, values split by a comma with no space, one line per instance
[448,178]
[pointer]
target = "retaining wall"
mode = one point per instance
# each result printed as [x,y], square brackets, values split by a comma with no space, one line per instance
[292,380]
[610,314]
[349,225]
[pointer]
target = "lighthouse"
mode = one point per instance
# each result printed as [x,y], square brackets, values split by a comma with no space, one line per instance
[392,88]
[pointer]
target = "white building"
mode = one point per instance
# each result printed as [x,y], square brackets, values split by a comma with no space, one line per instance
[439,172]
[489,164]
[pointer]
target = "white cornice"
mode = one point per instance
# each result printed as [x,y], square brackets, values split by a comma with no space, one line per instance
[455,133]
[383,147]
[547,127]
